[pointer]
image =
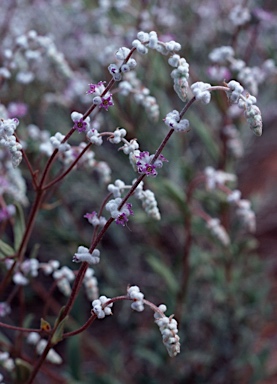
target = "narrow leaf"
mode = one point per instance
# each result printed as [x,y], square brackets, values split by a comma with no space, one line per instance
[6,249]
[163,270]
[19,226]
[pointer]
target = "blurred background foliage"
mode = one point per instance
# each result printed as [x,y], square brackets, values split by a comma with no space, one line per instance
[219,295]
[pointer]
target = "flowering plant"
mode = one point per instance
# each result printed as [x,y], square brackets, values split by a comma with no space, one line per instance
[51,175]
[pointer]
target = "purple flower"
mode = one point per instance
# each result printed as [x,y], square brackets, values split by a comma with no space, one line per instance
[106,102]
[93,88]
[80,125]
[145,165]
[126,211]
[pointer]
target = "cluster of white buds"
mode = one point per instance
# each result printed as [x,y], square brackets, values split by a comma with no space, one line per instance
[117,136]
[222,54]
[131,148]
[133,85]
[87,160]
[217,177]
[56,142]
[50,267]
[233,140]
[64,277]
[29,49]
[94,137]
[149,202]
[8,139]
[23,271]
[91,284]
[247,103]
[52,356]
[180,75]
[6,361]
[95,220]
[239,15]
[172,120]
[243,210]
[151,41]
[169,329]
[200,91]
[84,255]
[117,70]
[117,188]
[134,294]
[218,231]
[97,307]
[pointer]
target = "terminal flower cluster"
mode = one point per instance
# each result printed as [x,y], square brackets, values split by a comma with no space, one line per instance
[169,329]
[64,276]
[214,178]
[8,139]
[134,294]
[91,284]
[40,344]
[132,85]
[247,103]
[213,224]
[84,255]
[243,210]
[100,309]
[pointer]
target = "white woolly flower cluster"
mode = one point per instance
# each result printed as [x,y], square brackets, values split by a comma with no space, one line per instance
[83,255]
[200,91]
[169,329]
[149,202]
[8,139]
[64,277]
[117,70]
[172,120]
[27,55]
[222,54]
[250,77]
[217,177]
[134,294]
[117,136]
[22,273]
[180,75]
[91,284]
[233,140]
[94,137]
[50,267]
[133,85]
[239,15]
[6,361]
[120,215]
[243,210]
[56,142]
[251,111]
[87,160]
[117,188]
[52,356]
[97,307]
[151,41]
[218,231]
[95,220]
